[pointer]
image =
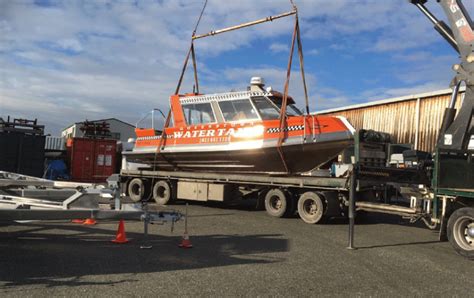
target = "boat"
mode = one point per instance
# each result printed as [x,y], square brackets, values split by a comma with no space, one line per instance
[240,132]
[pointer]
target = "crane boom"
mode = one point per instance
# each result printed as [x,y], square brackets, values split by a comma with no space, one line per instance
[457,131]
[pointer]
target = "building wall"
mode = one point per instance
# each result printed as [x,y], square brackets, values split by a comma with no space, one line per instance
[69,132]
[119,130]
[125,131]
[415,120]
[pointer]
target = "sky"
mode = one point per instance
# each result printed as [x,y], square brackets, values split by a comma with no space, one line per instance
[67,61]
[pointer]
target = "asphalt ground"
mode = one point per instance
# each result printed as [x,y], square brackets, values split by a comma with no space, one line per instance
[237,252]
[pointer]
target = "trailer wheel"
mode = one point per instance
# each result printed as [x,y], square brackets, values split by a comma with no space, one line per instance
[461,231]
[311,207]
[162,192]
[260,203]
[136,189]
[276,202]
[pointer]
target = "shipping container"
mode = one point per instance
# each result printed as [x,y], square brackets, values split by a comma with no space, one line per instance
[91,160]
[22,153]
[55,144]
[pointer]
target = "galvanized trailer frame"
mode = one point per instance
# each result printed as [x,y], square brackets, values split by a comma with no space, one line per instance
[82,204]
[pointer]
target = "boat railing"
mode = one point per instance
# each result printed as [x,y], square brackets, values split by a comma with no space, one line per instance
[152,113]
[311,129]
[304,130]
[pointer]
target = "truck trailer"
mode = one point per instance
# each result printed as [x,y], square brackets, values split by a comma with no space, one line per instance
[436,188]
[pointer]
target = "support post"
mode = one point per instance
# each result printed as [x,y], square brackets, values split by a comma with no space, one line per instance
[186,219]
[117,195]
[146,221]
[352,205]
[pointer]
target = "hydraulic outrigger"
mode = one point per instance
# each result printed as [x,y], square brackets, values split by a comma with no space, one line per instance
[453,176]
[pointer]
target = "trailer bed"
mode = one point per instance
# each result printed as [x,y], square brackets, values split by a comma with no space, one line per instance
[317,182]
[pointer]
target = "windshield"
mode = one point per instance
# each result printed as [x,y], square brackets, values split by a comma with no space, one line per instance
[291,109]
[238,110]
[198,113]
[267,110]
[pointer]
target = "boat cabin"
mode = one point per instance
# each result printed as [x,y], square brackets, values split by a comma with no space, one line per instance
[241,130]
[256,104]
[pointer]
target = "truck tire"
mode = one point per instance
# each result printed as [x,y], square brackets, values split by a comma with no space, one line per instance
[161,192]
[461,231]
[276,202]
[260,201]
[136,189]
[311,207]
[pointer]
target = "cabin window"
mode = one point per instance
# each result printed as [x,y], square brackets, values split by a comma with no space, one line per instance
[267,110]
[238,110]
[198,113]
[291,109]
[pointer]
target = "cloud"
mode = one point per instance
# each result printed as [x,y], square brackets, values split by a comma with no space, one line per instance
[425,66]
[71,60]
[381,26]
[279,47]
[70,44]
[383,93]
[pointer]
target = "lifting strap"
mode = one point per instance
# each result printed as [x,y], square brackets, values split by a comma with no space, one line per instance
[295,37]
[185,65]
[176,92]
[193,55]
[283,125]
[196,81]
[300,54]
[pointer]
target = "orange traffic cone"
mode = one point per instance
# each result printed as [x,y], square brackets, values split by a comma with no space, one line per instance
[89,222]
[120,237]
[185,242]
[77,221]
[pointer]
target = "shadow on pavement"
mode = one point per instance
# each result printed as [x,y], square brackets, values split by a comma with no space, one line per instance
[398,244]
[367,218]
[35,256]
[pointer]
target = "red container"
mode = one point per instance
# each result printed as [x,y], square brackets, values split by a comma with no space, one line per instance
[91,160]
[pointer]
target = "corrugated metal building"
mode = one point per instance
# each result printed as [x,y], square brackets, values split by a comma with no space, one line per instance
[414,119]
[119,129]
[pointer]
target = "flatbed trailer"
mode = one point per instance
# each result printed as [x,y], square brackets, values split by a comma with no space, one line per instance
[202,186]
[315,196]
[368,184]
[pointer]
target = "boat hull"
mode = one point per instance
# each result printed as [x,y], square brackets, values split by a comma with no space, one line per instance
[299,158]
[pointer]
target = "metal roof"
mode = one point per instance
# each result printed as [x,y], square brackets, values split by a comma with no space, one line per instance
[222,96]
[99,120]
[390,100]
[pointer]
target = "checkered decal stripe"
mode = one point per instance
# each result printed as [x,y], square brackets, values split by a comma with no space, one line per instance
[153,138]
[289,128]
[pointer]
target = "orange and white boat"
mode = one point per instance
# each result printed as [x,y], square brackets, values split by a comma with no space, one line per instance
[240,132]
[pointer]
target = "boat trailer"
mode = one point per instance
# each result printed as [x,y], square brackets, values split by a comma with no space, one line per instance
[22,198]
